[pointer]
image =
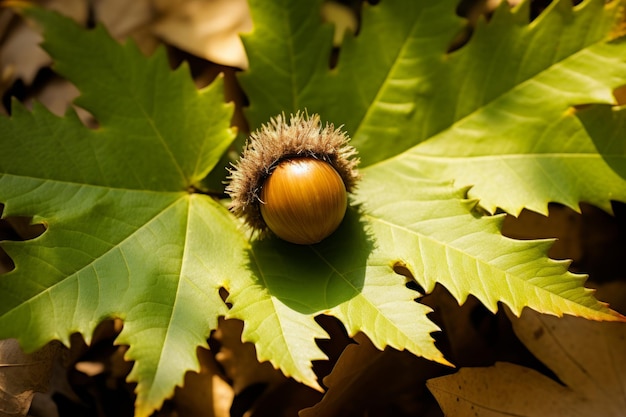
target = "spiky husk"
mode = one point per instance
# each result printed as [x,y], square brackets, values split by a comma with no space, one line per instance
[303,136]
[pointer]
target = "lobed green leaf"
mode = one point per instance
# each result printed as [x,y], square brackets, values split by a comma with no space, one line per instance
[124,237]
[431,229]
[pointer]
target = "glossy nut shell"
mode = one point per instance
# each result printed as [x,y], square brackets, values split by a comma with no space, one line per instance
[303,201]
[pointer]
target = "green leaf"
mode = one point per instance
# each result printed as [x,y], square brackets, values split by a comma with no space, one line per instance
[514,137]
[288,47]
[124,237]
[606,126]
[431,229]
[383,86]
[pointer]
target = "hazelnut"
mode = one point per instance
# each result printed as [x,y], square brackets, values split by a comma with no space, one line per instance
[293,179]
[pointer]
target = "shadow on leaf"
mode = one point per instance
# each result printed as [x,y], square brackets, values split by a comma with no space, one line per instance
[605,125]
[312,279]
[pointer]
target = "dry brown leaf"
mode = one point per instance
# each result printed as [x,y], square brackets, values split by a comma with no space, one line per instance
[366,379]
[121,17]
[208,29]
[76,9]
[205,393]
[43,404]
[239,359]
[466,339]
[20,54]
[22,374]
[21,57]
[588,357]
[57,95]
[503,390]
[124,19]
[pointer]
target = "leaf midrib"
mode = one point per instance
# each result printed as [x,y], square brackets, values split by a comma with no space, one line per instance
[387,78]
[95,186]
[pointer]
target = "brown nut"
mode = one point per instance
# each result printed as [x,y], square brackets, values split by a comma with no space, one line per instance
[293,179]
[304,200]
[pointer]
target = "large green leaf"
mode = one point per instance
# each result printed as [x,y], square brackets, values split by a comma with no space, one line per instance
[124,237]
[432,230]
[514,137]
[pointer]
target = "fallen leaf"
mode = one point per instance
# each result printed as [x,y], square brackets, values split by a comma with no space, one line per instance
[76,9]
[90,368]
[21,57]
[121,17]
[57,95]
[125,19]
[504,389]
[366,381]
[208,29]
[588,357]
[240,360]
[205,393]
[44,404]
[22,374]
